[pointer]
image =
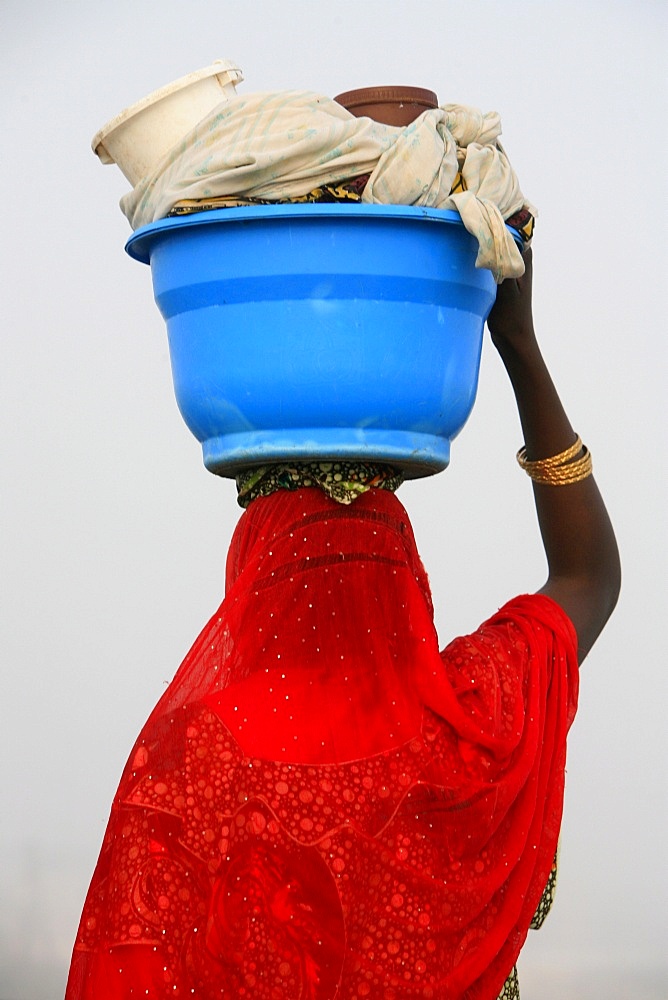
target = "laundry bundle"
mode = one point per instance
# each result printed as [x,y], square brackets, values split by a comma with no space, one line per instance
[279,146]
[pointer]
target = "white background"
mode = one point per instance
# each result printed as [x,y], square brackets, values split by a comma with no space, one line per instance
[114,535]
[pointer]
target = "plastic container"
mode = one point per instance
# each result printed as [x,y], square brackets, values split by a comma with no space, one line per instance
[138,137]
[320,331]
[389,105]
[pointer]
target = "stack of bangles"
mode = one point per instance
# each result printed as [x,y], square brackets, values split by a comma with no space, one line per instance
[570,466]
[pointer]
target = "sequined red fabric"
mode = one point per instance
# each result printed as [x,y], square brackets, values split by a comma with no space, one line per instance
[322,806]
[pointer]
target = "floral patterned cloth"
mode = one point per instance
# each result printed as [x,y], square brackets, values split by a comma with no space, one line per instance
[523,221]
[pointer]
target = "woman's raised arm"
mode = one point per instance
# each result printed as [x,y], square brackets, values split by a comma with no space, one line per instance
[583,560]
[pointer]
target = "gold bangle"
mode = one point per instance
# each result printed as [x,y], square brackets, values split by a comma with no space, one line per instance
[559,470]
[540,464]
[565,475]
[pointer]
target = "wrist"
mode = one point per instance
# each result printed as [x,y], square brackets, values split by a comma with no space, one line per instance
[520,346]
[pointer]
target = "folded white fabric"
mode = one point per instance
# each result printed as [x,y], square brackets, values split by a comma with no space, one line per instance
[278,146]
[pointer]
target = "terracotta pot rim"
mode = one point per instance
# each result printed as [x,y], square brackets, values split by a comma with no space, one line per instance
[388,95]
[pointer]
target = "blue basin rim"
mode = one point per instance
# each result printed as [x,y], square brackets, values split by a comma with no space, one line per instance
[140,243]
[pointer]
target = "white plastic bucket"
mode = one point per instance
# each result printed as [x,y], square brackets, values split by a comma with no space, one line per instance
[138,137]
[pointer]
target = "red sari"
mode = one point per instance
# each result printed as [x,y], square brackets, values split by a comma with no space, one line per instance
[322,806]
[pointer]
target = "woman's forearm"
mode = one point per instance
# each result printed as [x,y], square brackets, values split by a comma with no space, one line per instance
[582,555]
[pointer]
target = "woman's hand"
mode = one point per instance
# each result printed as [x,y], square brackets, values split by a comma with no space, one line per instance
[511,317]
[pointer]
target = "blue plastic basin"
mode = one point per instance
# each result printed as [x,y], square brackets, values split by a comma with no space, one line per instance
[320,331]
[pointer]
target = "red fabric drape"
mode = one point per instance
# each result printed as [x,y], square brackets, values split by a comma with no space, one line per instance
[322,805]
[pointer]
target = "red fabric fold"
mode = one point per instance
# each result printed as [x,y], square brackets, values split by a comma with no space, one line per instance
[322,805]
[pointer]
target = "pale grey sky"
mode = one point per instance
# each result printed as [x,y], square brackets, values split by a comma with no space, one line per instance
[114,535]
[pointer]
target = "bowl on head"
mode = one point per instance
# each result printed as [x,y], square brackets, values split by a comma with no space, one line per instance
[320,331]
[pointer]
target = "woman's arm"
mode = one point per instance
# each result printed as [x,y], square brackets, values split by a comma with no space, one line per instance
[583,561]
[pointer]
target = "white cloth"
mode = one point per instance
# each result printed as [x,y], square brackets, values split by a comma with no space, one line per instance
[280,145]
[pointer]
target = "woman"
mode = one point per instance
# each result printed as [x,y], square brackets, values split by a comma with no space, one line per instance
[324,806]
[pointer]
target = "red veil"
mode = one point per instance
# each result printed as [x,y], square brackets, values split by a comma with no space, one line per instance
[322,805]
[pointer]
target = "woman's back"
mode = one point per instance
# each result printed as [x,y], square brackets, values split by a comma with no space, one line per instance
[322,804]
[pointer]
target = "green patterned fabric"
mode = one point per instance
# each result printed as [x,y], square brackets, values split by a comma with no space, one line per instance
[342,481]
[511,989]
[547,899]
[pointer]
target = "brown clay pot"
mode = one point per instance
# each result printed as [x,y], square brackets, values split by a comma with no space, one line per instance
[389,105]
